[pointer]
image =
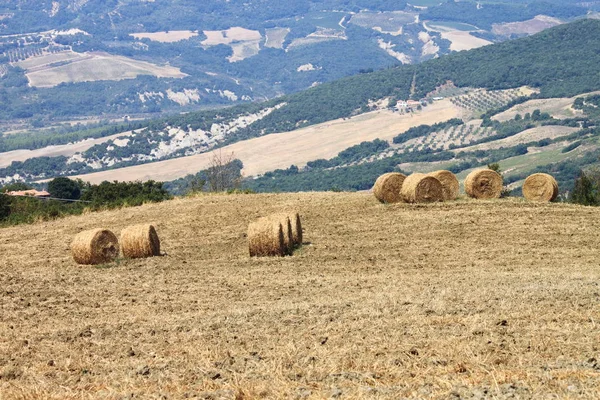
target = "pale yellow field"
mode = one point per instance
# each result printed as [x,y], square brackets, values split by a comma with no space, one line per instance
[99,66]
[41,61]
[529,135]
[529,27]
[556,107]
[165,37]
[235,34]
[458,300]
[280,150]
[462,40]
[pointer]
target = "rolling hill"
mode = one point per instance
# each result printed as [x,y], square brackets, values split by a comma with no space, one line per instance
[466,299]
[63,59]
[553,68]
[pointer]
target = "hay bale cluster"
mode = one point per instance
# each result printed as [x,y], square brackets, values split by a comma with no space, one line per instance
[540,187]
[275,235]
[100,246]
[443,185]
[416,188]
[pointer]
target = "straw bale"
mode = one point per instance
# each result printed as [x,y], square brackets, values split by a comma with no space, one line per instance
[140,241]
[286,225]
[484,184]
[265,238]
[540,187]
[296,227]
[421,188]
[96,246]
[449,183]
[388,186]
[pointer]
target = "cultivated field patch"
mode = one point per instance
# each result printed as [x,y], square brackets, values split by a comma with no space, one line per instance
[464,299]
[390,22]
[244,42]
[275,37]
[559,108]
[529,27]
[96,67]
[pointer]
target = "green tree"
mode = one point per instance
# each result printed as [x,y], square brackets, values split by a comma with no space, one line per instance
[64,188]
[585,191]
[5,201]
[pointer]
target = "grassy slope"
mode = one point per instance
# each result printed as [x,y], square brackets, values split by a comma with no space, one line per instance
[392,301]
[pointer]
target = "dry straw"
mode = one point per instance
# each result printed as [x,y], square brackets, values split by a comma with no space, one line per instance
[540,187]
[265,238]
[296,227]
[286,225]
[484,184]
[449,183]
[388,186]
[421,188]
[140,241]
[96,246]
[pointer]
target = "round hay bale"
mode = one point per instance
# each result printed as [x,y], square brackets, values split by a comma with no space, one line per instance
[540,187]
[387,187]
[296,227]
[96,246]
[286,225]
[140,241]
[484,184]
[421,188]
[265,238]
[449,183]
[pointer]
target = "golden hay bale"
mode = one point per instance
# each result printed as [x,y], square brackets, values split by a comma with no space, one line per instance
[387,187]
[265,238]
[96,246]
[540,187]
[286,225]
[296,227]
[140,241]
[484,184]
[449,183]
[421,188]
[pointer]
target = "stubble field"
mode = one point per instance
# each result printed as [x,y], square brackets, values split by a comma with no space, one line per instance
[465,299]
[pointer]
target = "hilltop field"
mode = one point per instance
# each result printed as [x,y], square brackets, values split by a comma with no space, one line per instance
[465,299]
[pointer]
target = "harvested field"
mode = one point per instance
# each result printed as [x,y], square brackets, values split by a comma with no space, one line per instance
[165,37]
[280,150]
[48,58]
[96,67]
[387,301]
[460,38]
[275,37]
[529,27]
[391,22]
[529,135]
[559,108]
[244,42]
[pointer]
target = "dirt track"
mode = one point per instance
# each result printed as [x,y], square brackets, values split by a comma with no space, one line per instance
[457,300]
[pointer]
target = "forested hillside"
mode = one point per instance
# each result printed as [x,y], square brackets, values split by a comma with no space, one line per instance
[83,58]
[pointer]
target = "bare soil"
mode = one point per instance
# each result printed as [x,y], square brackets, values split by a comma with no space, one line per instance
[466,299]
